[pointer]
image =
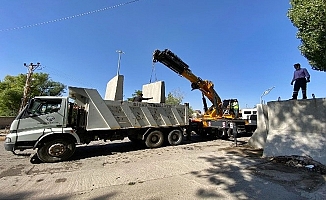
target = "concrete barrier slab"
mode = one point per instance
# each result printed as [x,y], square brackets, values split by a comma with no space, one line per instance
[114,88]
[297,127]
[155,90]
[258,138]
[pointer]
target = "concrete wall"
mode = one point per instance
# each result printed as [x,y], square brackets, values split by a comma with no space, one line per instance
[297,127]
[6,121]
[258,138]
[114,88]
[155,90]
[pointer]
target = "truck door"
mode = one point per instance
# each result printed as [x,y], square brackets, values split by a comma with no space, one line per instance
[40,117]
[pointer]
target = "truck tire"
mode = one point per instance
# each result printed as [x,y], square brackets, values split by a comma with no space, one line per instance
[175,137]
[223,134]
[56,150]
[154,139]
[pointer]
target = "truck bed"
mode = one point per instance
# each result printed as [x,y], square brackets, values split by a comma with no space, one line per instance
[110,115]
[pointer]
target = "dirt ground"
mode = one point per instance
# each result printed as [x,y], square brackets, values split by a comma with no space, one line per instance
[194,170]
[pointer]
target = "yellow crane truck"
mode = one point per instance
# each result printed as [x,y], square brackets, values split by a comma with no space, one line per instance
[219,119]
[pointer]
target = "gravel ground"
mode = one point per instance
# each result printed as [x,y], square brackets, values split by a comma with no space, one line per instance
[122,170]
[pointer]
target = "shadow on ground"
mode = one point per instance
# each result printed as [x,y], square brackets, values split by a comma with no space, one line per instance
[235,180]
[107,148]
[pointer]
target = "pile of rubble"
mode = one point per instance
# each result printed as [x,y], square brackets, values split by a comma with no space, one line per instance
[301,162]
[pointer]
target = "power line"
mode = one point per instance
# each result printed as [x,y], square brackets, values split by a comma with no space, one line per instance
[69,17]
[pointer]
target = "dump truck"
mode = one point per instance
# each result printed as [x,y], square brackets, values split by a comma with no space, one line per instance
[55,125]
[220,119]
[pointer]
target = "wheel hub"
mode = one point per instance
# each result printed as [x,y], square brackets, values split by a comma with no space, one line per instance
[175,137]
[154,138]
[57,149]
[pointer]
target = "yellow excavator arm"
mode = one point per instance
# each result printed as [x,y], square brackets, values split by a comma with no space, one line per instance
[173,62]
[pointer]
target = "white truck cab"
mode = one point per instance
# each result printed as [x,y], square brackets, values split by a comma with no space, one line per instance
[41,117]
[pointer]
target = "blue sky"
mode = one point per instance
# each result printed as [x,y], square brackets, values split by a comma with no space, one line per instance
[244,48]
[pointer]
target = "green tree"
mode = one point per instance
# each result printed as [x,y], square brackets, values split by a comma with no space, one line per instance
[175,97]
[136,93]
[309,16]
[12,87]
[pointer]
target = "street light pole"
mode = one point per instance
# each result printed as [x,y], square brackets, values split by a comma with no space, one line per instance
[119,52]
[266,92]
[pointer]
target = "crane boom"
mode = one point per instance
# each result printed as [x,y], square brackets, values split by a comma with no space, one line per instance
[173,62]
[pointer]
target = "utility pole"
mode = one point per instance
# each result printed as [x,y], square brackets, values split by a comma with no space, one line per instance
[119,52]
[31,67]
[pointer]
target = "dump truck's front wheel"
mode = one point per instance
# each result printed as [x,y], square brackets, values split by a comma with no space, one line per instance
[154,139]
[56,150]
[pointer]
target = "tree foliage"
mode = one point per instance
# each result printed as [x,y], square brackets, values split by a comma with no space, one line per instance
[12,89]
[174,98]
[136,93]
[309,16]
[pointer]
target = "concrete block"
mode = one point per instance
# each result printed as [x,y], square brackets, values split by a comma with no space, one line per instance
[258,138]
[155,90]
[297,127]
[114,88]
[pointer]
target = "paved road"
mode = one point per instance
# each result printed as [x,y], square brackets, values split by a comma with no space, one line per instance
[121,170]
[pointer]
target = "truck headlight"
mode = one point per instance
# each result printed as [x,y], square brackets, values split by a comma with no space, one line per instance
[8,140]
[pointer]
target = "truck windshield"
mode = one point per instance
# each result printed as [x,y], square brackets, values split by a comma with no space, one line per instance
[44,106]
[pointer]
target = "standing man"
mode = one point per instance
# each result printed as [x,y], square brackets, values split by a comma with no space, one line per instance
[235,108]
[140,98]
[301,77]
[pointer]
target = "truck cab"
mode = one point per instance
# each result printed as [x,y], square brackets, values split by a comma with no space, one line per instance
[42,116]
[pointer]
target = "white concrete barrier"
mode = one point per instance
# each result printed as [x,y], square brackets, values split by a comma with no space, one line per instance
[258,138]
[297,127]
[114,88]
[155,90]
